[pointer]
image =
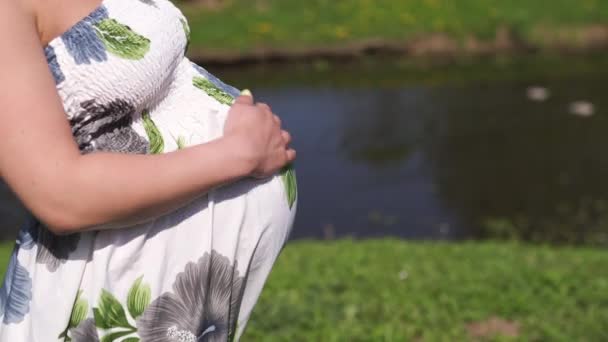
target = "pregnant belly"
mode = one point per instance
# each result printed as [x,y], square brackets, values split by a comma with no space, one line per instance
[194,111]
[184,118]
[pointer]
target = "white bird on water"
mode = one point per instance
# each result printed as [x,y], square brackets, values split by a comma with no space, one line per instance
[582,108]
[538,94]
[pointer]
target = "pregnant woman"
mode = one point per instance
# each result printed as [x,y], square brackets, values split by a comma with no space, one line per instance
[159,197]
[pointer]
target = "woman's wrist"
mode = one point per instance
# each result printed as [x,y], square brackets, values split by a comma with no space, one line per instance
[243,163]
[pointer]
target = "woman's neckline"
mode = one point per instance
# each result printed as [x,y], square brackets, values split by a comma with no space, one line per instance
[72,27]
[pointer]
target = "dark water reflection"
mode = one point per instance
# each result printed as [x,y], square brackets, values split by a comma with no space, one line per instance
[474,160]
[458,160]
[510,167]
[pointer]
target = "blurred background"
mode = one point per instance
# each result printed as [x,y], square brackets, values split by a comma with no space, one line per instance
[452,167]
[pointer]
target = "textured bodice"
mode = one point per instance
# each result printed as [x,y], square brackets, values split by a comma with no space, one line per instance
[115,70]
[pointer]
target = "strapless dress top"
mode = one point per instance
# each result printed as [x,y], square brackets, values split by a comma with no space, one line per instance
[122,75]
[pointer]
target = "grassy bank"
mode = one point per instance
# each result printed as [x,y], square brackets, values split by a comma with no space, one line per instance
[391,290]
[400,72]
[241,26]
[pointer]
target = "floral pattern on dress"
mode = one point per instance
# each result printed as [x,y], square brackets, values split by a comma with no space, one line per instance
[107,127]
[121,40]
[91,38]
[16,292]
[85,332]
[203,306]
[230,91]
[290,183]
[81,40]
[51,59]
[53,250]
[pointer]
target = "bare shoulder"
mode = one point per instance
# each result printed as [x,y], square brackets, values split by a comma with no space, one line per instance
[33,126]
[22,57]
[17,19]
[18,9]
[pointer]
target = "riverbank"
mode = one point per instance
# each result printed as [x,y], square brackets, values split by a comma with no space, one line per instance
[392,290]
[239,31]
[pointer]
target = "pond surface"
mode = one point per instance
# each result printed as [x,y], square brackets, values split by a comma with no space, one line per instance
[394,153]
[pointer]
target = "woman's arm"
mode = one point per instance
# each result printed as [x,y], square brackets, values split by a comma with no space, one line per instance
[70,192]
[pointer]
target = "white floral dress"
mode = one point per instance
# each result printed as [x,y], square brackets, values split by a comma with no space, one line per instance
[192,275]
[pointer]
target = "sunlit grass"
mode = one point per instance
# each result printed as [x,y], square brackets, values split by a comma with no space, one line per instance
[5,252]
[241,25]
[391,290]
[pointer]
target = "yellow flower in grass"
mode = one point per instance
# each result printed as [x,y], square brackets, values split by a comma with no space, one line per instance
[341,32]
[263,27]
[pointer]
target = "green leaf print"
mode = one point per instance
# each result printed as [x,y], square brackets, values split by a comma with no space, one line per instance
[121,40]
[110,313]
[79,311]
[186,29]
[79,314]
[288,175]
[180,141]
[187,32]
[131,339]
[213,91]
[115,336]
[138,298]
[157,144]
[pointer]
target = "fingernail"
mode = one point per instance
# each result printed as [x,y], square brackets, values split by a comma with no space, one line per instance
[246,92]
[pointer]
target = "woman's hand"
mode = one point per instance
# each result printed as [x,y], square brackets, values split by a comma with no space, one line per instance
[257,136]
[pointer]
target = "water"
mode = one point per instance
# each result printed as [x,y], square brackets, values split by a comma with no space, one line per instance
[439,158]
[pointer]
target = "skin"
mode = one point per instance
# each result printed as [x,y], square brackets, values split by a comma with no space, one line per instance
[41,163]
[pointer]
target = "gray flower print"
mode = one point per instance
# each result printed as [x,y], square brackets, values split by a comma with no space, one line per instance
[53,250]
[16,292]
[85,332]
[51,59]
[107,128]
[149,2]
[82,42]
[203,306]
[232,91]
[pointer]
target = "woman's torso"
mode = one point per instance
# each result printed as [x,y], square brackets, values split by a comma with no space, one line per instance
[127,87]
[126,59]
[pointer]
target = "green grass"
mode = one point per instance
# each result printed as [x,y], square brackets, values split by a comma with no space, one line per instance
[393,72]
[392,290]
[352,291]
[5,253]
[241,25]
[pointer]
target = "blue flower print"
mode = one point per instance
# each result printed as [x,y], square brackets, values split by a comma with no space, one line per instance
[97,15]
[51,59]
[82,42]
[16,292]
